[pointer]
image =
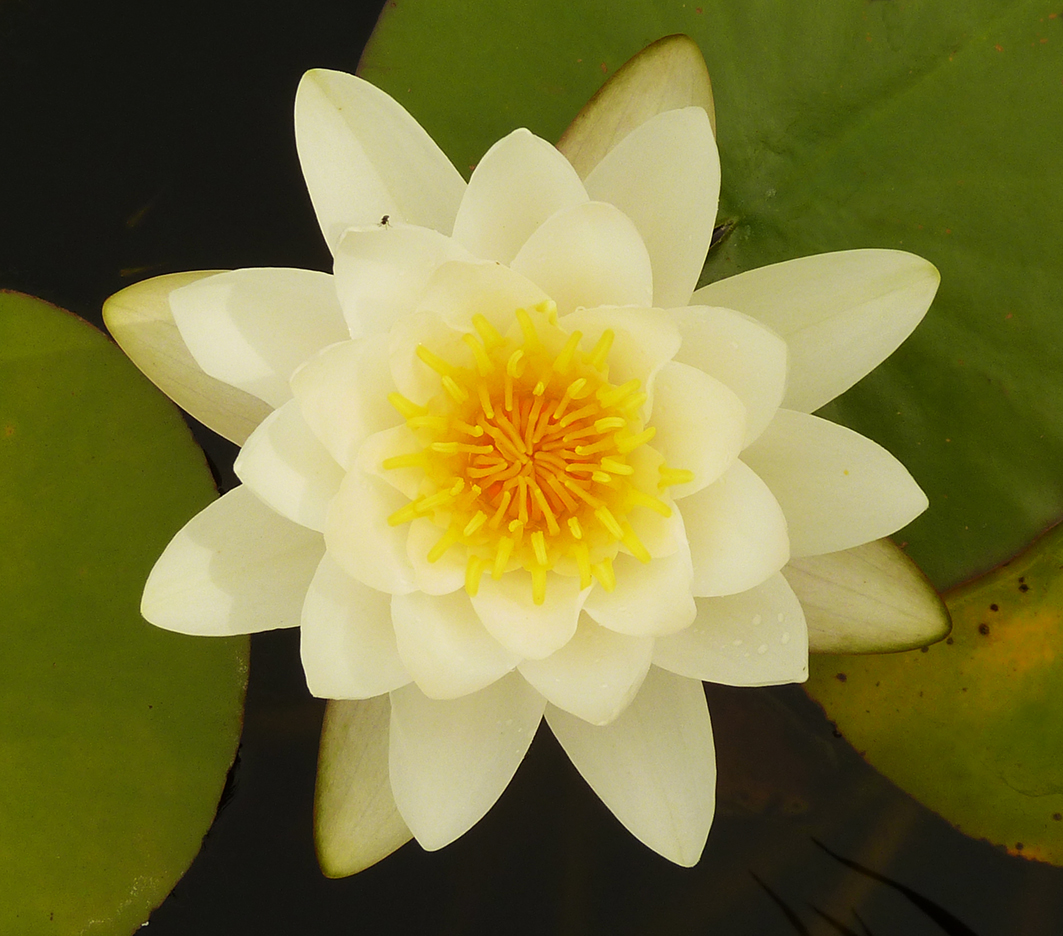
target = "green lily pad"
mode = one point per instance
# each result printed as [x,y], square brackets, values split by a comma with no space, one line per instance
[929,126]
[973,726]
[116,736]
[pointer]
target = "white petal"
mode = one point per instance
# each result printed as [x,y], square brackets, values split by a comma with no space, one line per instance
[141,321]
[458,291]
[253,328]
[654,767]
[588,255]
[650,598]
[666,75]
[737,533]
[347,640]
[382,272]
[754,638]
[451,759]
[700,424]
[235,568]
[444,645]
[595,675]
[644,340]
[360,538]
[837,488]
[841,314]
[665,176]
[364,157]
[356,822]
[447,573]
[343,395]
[533,631]
[868,599]
[517,185]
[287,467]
[737,350]
[399,440]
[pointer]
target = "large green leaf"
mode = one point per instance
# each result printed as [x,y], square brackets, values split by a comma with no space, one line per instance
[115,736]
[928,125]
[973,726]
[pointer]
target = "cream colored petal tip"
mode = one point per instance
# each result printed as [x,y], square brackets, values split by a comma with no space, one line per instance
[842,314]
[869,599]
[140,319]
[666,75]
[356,822]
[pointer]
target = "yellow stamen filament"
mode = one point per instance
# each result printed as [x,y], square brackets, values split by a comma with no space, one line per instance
[502,553]
[413,460]
[564,360]
[612,465]
[603,572]
[538,574]
[601,350]
[496,519]
[527,327]
[405,406]
[435,362]
[573,525]
[485,401]
[475,523]
[611,396]
[583,562]
[633,543]
[607,520]
[484,364]
[640,498]
[434,423]
[609,422]
[444,543]
[458,392]
[538,541]
[629,443]
[487,332]
[673,476]
[473,570]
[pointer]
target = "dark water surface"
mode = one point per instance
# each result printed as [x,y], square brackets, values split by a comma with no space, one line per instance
[139,138]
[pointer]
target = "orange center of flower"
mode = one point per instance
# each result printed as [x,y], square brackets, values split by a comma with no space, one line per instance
[529,455]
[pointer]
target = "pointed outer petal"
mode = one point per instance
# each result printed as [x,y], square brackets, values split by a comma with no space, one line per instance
[446,574]
[445,647]
[399,440]
[356,822]
[458,291]
[411,376]
[253,328]
[654,767]
[666,75]
[451,759]
[650,598]
[740,352]
[361,540]
[868,599]
[343,395]
[588,255]
[700,424]
[841,314]
[382,271]
[533,631]
[235,568]
[346,638]
[644,340]
[595,675]
[665,176]
[520,182]
[837,488]
[364,157]
[737,533]
[755,638]
[141,321]
[288,468]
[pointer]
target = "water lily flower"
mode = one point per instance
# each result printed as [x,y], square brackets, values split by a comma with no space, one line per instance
[505,463]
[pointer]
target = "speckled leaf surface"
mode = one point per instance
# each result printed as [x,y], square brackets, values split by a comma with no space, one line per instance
[115,736]
[926,125]
[973,726]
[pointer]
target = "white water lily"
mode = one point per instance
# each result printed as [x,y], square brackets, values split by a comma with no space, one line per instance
[505,463]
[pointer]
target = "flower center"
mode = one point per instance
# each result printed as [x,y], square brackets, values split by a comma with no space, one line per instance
[530,455]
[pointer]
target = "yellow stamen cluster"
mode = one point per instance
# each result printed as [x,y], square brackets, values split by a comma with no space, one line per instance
[526,455]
